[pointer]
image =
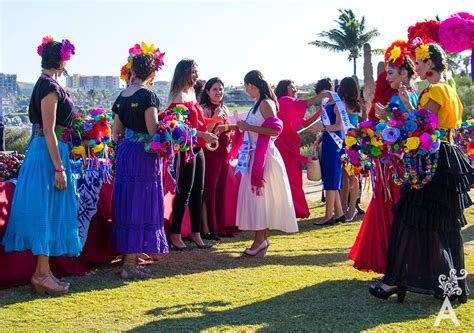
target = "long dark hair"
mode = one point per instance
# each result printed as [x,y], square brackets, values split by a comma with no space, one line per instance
[282,88]
[256,79]
[181,77]
[205,99]
[349,93]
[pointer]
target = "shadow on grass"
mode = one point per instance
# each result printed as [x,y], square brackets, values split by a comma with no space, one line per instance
[342,305]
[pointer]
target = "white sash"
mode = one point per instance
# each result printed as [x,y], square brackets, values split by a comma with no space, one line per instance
[346,123]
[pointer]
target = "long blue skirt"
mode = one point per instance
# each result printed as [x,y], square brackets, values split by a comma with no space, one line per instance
[43,219]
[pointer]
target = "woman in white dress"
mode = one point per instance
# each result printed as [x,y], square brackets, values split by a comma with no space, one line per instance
[264,200]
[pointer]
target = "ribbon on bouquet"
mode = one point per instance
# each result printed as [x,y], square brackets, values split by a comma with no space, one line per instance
[346,123]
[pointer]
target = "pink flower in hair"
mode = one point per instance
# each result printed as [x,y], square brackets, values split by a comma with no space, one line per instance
[46,39]
[67,49]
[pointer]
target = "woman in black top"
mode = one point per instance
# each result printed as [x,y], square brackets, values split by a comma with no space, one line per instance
[138,193]
[43,216]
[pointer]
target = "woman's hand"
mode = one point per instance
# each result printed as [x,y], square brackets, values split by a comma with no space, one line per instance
[210,137]
[405,97]
[243,126]
[380,111]
[60,180]
[316,128]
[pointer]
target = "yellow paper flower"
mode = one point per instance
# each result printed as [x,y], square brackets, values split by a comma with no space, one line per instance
[78,150]
[349,169]
[395,53]
[98,148]
[375,142]
[412,143]
[148,49]
[350,141]
[422,52]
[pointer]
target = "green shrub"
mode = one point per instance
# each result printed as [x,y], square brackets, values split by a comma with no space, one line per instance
[17,139]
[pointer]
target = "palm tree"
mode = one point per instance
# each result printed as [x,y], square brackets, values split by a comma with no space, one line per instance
[351,36]
[91,94]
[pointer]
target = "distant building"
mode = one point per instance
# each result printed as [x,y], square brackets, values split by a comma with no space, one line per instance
[8,84]
[95,82]
[237,95]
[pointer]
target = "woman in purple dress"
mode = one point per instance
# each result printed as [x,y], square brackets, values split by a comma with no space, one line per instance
[138,192]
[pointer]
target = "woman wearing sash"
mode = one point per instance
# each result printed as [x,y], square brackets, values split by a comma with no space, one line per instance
[331,165]
[425,240]
[43,215]
[349,94]
[264,200]
[291,111]
[369,251]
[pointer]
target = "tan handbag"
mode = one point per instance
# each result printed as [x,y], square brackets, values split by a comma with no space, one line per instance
[313,167]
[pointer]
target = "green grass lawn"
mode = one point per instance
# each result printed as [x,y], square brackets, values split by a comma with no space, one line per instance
[305,283]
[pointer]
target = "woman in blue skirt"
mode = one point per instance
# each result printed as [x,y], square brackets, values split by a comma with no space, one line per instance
[43,216]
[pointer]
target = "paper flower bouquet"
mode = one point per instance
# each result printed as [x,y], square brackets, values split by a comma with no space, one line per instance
[10,164]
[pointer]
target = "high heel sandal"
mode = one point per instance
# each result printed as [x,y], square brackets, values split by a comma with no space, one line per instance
[204,246]
[48,285]
[61,283]
[352,219]
[377,291]
[131,270]
[174,247]
[341,219]
[260,251]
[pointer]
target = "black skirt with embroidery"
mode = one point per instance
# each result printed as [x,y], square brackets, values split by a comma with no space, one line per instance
[425,241]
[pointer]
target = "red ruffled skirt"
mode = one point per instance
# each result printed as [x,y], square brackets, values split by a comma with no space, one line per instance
[369,251]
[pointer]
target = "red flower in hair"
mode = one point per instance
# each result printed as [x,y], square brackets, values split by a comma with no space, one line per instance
[427,31]
[396,53]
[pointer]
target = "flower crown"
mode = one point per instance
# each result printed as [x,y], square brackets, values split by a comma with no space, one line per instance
[142,48]
[397,52]
[67,48]
[421,35]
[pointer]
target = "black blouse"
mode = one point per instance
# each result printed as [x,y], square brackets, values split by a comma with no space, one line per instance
[43,87]
[131,109]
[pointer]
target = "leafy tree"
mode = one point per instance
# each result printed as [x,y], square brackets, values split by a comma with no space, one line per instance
[351,36]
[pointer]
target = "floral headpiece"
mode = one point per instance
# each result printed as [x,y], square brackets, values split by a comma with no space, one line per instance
[67,48]
[397,52]
[142,48]
[421,35]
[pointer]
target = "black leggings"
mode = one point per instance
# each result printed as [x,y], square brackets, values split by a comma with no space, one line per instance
[189,191]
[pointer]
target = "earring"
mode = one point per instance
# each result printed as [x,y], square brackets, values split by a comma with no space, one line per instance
[429,74]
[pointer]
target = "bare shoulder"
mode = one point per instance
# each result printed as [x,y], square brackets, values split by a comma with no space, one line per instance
[268,108]
[181,97]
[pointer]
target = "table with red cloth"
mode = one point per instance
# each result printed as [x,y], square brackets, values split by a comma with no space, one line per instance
[16,268]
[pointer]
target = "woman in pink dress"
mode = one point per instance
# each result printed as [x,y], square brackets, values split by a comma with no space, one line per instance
[220,192]
[291,112]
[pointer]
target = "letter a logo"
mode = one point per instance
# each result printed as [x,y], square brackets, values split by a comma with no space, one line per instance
[442,315]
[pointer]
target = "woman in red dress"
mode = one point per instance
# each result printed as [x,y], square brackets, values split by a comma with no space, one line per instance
[220,183]
[369,251]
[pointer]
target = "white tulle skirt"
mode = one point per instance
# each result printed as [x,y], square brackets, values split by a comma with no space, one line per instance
[272,210]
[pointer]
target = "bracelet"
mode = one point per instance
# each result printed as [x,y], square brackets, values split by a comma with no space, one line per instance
[324,127]
[226,127]
[61,169]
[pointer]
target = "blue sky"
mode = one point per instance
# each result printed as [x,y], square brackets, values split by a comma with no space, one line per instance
[227,38]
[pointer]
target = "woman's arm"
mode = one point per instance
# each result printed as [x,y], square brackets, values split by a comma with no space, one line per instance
[329,128]
[267,109]
[432,106]
[49,106]
[118,128]
[151,120]
[318,98]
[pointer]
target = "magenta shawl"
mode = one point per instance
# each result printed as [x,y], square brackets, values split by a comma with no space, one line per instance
[260,154]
